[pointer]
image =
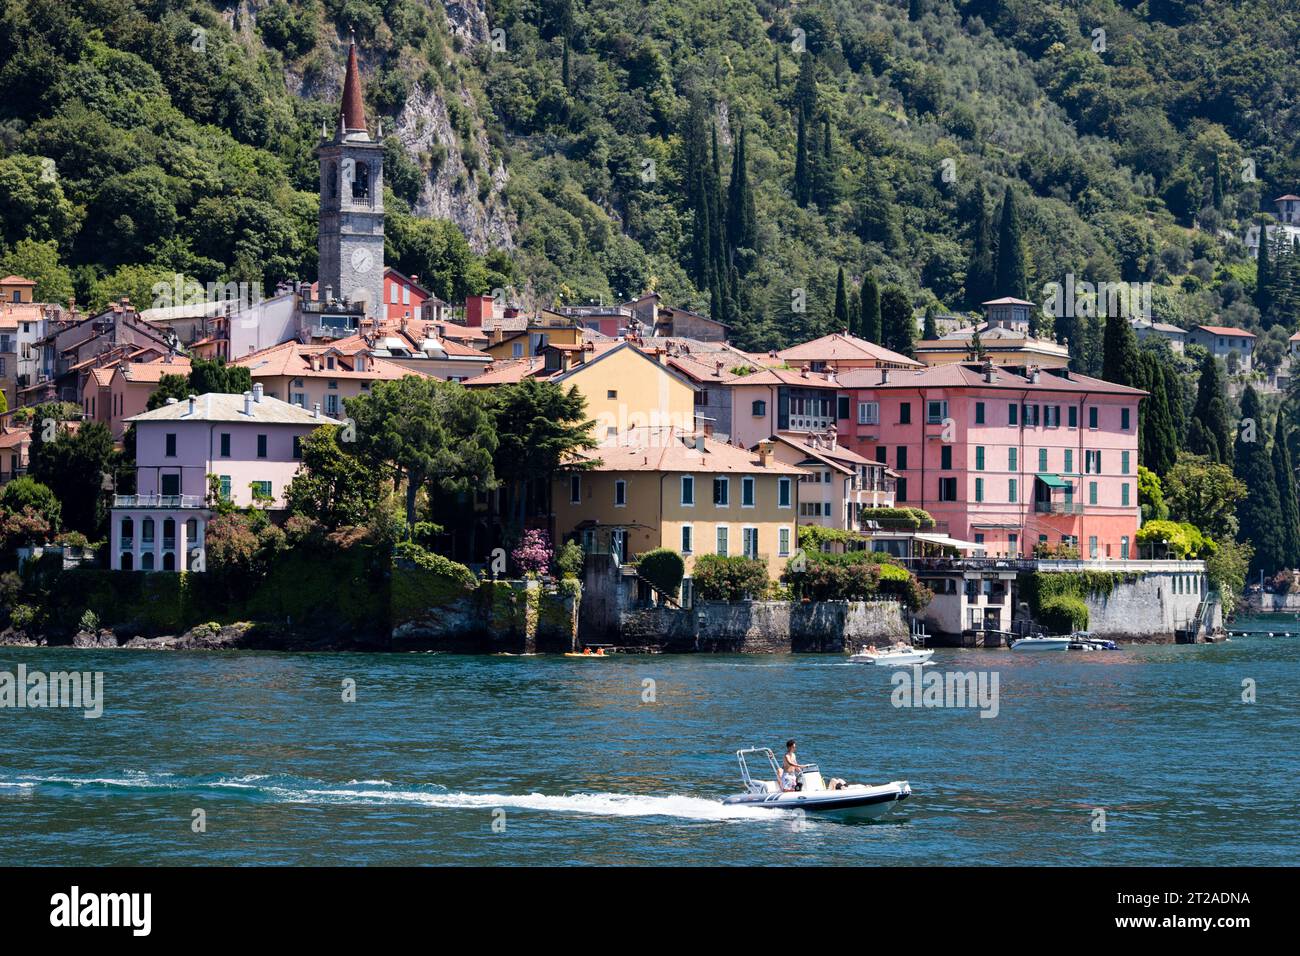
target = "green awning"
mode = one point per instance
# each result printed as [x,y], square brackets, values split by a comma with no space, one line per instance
[1053,481]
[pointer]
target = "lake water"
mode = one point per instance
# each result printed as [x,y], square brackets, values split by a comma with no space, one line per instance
[574,766]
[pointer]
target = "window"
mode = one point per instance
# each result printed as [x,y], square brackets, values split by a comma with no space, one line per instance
[935,412]
[1092,546]
[842,405]
[611,393]
[225,445]
[1042,459]
[688,490]
[868,413]
[517,350]
[261,489]
[620,493]
[1069,460]
[171,445]
[901,456]
[299,399]
[171,484]
[224,481]
[1030,416]
[1013,544]
[783,493]
[747,492]
[749,541]
[261,446]
[331,404]
[900,489]
[1012,491]
[904,413]
[687,542]
[361,182]
[783,542]
[1073,418]
[1123,418]
[1091,462]
[759,408]
[392,293]
[722,540]
[702,397]
[947,489]
[1123,548]
[575,489]
[1092,492]
[945,457]
[1123,494]
[979,489]
[1013,414]
[979,457]
[1013,459]
[1123,463]
[979,413]
[722,492]
[1092,416]
[1052,416]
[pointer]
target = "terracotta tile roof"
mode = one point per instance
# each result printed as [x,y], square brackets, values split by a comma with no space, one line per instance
[151,373]
[964,375]
[12,437]
[839,346]
[838,454]
[785,376]
[1227,331]
[507,373]
[103,377]
[666,449]
[222,407]
[17,280]
[293,360]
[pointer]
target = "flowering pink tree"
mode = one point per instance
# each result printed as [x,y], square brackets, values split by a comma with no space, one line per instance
[533,555]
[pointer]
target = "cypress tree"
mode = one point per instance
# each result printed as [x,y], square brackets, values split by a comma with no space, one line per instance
[741,218]
[1159,448]
[1120,363]
[1174,396]
[1210,432]
[841,303]
[802,174]
[1289,504]
[805,88]
[855,313]
[931,331]
[1260,511]
[979,270]
[823,174]
[564,65]
[776,70]
[869,327]
[1263,274]
[898,329]
[1010,272]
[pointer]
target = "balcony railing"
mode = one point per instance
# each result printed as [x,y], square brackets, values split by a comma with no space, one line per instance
[1059,507]
[158,501]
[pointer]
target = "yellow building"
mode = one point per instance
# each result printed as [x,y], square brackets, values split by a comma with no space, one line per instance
[625,388]
[665,488]
[532,339]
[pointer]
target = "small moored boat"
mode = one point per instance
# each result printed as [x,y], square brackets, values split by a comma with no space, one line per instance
[1041,644]
[841,801]
[899,655]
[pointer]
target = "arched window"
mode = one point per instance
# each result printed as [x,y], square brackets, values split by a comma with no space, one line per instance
[169,561]
[334,180]
[128,561]
[361,182]
[146,561]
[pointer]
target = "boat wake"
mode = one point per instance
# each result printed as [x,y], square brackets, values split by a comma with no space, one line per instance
[381,793]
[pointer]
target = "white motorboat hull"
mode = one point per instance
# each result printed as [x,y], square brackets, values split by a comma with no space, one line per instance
[896,659]
[1041,644]
[856,802]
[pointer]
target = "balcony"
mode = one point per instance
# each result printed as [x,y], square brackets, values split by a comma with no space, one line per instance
[159,501]
[1058,507]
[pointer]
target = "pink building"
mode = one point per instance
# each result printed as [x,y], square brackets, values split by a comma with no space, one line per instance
[1006,460]
[250,442]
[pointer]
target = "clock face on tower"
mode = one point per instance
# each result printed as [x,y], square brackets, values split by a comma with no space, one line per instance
[362,260]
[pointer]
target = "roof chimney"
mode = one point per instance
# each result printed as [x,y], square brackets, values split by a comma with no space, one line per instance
[193,399]
[248,404]
[990,375]
[830,373]
[257,391]
[803,371]
[884,376]
[315,410]
[1033,374]
[764,453]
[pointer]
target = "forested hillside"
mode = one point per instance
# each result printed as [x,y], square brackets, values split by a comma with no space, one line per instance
[571,151]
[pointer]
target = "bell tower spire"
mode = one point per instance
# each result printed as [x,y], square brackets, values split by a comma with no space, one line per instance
[352,202]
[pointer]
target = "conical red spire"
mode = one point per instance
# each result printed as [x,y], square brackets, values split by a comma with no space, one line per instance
[353,110]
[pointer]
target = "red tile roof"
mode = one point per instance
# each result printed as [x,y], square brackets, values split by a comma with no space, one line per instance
[964,375]
[840,346]
[1226,331]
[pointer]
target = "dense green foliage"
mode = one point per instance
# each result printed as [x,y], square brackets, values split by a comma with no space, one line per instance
[663,568]
[729,578]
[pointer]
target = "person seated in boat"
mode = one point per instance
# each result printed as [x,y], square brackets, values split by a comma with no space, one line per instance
[790,766]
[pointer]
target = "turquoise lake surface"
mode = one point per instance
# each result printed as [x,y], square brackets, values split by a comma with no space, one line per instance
[447,759]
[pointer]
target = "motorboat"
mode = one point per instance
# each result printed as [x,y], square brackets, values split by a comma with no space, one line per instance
[898,655]
[1041,644]
[1084,641]
[840,801]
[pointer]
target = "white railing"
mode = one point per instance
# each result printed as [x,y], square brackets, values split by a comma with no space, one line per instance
[158,501]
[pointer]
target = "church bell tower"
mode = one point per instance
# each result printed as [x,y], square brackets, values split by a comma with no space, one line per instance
[352,204]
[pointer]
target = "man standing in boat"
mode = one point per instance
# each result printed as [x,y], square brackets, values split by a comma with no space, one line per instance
[790,766]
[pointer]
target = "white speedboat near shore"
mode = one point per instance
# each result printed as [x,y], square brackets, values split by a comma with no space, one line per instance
[899,655]
[842,801]
[1041,644]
